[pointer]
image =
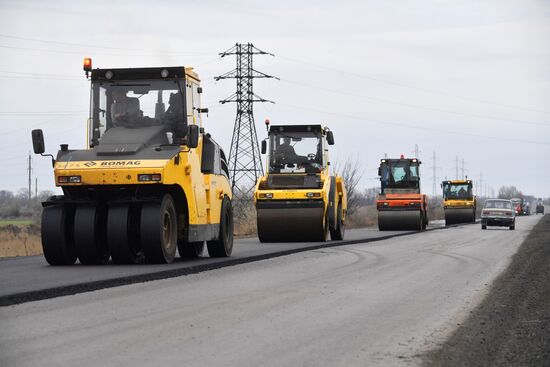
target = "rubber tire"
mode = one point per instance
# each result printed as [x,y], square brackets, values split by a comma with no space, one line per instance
[512,227]
[90,234]
[223,246]
[57,235]
[483,226]
[338,233]
[122,238]
[190,250]
[159,230]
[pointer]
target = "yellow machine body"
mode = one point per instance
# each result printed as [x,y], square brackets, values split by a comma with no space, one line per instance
[150,179]
[300,206]
[459,203]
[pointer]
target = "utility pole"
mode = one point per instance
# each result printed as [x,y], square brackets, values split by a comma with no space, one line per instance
[245,163]
[29,170]
[36,188]
[480,185]
[434,175]
[416,151]
[456,168]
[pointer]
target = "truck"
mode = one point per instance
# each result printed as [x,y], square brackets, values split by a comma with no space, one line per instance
[401,204]
[149,181]
[298,199]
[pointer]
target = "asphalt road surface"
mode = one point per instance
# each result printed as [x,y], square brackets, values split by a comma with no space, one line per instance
[379,303]
[31,278]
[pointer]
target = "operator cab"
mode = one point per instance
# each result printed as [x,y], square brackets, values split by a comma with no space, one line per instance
[296,149]
[457,190]
[157,101]
[399,175]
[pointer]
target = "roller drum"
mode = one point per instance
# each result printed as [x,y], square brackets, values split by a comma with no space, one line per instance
[459,215]
[291,222]
[396,220]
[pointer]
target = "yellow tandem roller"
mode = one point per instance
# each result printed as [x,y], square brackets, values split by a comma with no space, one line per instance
[459,202]
[298,200]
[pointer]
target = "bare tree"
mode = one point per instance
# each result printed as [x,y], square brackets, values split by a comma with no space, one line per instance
[509,192]
[352,172]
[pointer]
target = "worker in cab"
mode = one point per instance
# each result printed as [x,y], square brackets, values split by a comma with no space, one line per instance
[124,109]
[285,153]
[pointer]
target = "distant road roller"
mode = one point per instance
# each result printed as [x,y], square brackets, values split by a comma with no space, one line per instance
[459,202]
[298,200]
[401,205]
[150,180]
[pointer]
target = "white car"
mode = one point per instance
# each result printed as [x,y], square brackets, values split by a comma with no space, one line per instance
[498,212]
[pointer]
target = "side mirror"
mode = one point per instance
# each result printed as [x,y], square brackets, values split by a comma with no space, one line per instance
[330,138]
[264,146]
[38,141]
[380,171]
[193,136]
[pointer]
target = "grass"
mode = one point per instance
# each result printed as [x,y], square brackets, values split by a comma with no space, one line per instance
[15,222]
[19,240]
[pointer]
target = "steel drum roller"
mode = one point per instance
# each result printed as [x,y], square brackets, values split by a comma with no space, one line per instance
[395,220]
[459,215]
[291,221]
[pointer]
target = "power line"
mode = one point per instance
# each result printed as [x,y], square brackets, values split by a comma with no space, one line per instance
[40,113]
[25,75]
[99,53]
[376,99]
[89,46]
[385,122]
[404,85]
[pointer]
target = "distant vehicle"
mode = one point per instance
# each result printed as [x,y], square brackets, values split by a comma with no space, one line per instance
[527,209]
[517,204]
[540,207]
[498,212]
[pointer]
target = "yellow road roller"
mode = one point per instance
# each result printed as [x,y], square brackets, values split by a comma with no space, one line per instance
[459,202]
[149,181]
[298,200]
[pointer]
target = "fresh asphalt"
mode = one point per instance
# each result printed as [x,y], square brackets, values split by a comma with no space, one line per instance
[31,278]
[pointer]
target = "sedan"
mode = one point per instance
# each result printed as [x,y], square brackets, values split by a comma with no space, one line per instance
[498,212]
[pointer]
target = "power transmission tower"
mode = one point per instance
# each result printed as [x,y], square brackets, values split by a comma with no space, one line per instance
[463,168]
[245,164]
[456,168]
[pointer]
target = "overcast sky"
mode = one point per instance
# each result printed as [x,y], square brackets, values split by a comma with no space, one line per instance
[459,78]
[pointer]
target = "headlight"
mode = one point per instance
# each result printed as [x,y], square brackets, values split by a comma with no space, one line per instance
[147,177]
[68,179]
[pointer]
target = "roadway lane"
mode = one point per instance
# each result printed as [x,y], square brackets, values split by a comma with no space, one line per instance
[33,277]
[380,303]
